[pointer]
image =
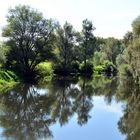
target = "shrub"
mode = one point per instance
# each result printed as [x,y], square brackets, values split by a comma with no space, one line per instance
[99,69]
[44,69]
[2,82]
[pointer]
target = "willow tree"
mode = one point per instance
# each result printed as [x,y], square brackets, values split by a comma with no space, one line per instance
[29,35]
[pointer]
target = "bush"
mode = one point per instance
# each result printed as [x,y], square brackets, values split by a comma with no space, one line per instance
[44,69]
[2,82]
[88,69]
[99,69]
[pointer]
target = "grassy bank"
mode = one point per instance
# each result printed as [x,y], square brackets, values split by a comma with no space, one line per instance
[46,70]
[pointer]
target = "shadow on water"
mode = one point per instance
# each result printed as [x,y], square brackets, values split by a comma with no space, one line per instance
[28,111]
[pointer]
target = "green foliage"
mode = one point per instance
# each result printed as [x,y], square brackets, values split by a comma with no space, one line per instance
[125,70]
[29,36]
[99,69]
[2,82]
[44,70]
[88,41]
[128,38]
[7,79]
[98,58]
[86,69]
[129,61]
[3,52]
[107,68]
[136,26]
[111,49]
[33,40]
[6,86]
[72,69]
[110,68]
[65,44]
[132,57]
[8,76]
[75,67]
[99,43]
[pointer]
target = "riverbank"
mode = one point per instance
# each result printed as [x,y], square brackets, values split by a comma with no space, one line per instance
[45,71]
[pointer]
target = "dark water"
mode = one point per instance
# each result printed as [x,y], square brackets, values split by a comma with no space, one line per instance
[65,109]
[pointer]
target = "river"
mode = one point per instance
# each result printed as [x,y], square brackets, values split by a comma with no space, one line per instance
[101,108]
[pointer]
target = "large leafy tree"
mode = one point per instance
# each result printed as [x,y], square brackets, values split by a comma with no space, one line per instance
[111,49]
[130,59]
[136,27]
[29,35]
[87,41]
[66,43]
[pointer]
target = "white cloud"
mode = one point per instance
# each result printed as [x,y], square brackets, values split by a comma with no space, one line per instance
[112,109]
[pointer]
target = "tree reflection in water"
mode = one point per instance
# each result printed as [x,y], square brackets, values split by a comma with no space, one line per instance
[28,111]
[129,123]
[24,114]
[83,101]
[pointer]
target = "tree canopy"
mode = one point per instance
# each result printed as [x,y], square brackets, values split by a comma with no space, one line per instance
[28,34]
[33,39]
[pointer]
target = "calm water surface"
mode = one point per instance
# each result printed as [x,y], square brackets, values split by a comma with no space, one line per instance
[65,109]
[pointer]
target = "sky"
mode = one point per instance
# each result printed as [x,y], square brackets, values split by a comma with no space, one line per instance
[111,18]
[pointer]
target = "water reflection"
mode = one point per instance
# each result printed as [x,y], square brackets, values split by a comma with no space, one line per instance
[106,86]
[129,124]
[27,112]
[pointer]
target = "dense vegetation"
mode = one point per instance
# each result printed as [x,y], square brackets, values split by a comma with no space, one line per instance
[37,47]
[7,80]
